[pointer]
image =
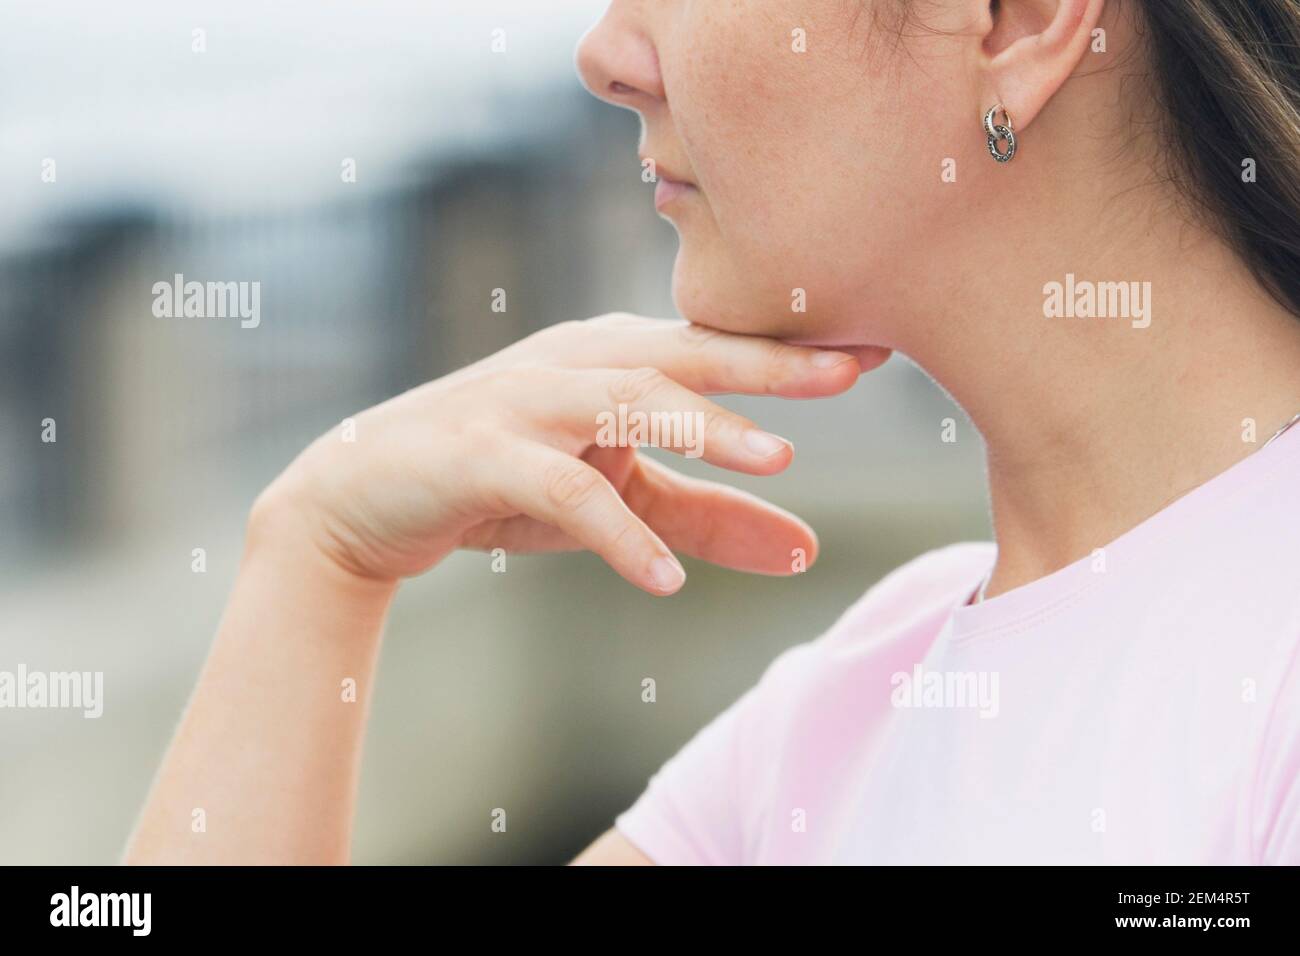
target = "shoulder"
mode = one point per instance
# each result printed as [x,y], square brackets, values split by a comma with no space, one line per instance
[932,582]
[908,605]
[710,799]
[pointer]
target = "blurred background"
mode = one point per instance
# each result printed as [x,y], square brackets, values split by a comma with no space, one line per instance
[214,139]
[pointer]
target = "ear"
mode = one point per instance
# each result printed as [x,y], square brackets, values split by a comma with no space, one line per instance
[1031,47]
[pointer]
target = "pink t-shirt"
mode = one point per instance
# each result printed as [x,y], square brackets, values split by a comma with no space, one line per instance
[1139,706]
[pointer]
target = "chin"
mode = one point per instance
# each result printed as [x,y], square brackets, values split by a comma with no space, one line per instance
[719,295]
[723,296]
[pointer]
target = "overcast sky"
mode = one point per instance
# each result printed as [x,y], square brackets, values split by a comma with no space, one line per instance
[115,94]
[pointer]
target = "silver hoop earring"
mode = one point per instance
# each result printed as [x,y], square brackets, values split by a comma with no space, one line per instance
[1000,131]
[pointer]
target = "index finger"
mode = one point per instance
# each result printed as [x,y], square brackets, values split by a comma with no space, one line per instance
[710,361]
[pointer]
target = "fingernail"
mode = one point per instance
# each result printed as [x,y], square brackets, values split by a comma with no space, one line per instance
[830,359]
[764,444]
[666,574]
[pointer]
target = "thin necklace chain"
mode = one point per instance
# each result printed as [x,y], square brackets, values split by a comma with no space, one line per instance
[1282,431]
[979,595]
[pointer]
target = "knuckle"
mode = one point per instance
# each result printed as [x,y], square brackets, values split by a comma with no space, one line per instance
[557,333]
[519,379]
[776,357]
[609,319]
[778,354]
[698,336]
[570,486]
[491,390]
[723,427]
[778,351]
[626,537]
[635,385]
[490,378]
[717,431]
[563,329]
[478,440]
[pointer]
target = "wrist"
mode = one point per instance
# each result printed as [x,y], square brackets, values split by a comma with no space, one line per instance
[283,540]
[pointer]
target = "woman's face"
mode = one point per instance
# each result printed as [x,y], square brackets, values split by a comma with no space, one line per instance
[813,136]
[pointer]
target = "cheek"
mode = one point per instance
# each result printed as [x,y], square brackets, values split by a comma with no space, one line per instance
[814,178]
[765,125]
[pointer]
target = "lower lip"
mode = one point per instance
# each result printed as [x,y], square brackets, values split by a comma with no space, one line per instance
[668,191]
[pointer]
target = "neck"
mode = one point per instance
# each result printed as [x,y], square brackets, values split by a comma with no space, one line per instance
[1094,424]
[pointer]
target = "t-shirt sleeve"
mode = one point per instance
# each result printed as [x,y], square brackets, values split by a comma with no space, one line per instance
[711,803]
[693,812]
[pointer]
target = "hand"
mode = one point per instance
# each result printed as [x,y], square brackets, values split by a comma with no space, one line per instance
[504,454]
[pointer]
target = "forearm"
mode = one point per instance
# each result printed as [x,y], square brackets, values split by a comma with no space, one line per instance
[500,456]
[264,766]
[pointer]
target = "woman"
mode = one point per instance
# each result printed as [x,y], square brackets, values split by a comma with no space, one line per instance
[1082,217]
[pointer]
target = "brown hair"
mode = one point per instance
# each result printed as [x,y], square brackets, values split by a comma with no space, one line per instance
[1228,75]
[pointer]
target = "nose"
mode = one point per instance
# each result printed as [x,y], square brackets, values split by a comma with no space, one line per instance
[618,61]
